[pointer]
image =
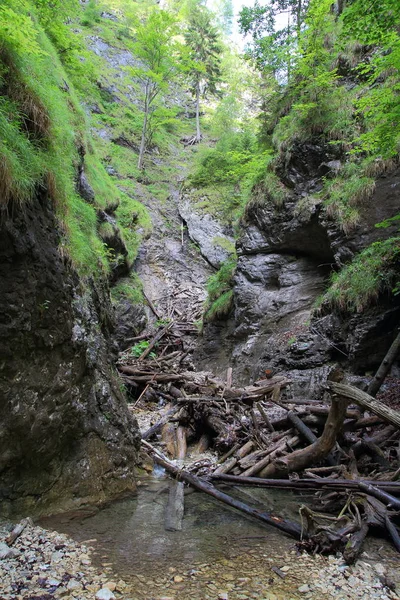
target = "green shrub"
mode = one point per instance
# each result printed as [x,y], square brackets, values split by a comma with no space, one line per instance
[91,14]
[374,271]
[220,295]
[130,288]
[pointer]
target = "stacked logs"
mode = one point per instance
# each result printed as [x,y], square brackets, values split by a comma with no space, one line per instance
[345,446]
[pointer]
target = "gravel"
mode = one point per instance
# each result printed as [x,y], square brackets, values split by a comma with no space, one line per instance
[46,565]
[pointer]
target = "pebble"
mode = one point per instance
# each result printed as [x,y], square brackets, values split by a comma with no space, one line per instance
[47,564]
[104,594]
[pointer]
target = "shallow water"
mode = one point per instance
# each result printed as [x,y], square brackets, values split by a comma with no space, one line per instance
[218,551]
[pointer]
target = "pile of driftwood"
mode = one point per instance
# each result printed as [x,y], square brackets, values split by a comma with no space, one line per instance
[345,446]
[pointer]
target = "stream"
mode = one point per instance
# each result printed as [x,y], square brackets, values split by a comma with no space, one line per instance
[219,554]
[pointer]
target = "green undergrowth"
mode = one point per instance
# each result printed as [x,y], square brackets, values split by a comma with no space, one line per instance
[226,177]
[373,272]
[129,288]
[43,131]
[219,302]
[47,75]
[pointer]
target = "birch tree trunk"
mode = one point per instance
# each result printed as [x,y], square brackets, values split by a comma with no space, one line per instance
[144,128]
[198,132]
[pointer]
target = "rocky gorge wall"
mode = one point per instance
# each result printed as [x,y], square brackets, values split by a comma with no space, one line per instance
[285,255]
[67,438]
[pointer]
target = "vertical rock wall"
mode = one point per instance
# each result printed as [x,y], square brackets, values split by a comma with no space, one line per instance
[66,436]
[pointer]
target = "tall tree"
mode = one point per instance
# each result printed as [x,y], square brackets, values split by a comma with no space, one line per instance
[155,46]
[205,50]
[273,47]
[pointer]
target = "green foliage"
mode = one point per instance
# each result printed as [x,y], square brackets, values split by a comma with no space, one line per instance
[91,14]
[129,288]
[203,60]
[156,47]
[374,271]
[345,195]
[138,349]
[273,50]
[220,295]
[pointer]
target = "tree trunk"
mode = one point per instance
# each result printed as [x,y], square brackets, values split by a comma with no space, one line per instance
[198,132]
[384,368]
[144,128]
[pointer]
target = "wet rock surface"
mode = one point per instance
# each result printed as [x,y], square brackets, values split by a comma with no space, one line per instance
[213,239]
[67,437]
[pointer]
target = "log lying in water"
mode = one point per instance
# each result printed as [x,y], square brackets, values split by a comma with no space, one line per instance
[289,527]
[308,484]
[176,497]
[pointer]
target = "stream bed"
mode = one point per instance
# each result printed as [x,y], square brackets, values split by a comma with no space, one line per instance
[219,554]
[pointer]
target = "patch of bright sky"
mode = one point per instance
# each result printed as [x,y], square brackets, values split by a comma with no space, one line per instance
[238,39]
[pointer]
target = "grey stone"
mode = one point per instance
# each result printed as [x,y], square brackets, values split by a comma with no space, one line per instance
[104,594]
[215,244]
[7,552]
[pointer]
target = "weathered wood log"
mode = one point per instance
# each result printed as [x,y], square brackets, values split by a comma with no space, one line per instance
[393,532]
[227,454]
[157,377]
[18,529]
[151,305]
[354,545]
[384,367]
[226,466]
[319,450]
[366,401]
[175,507]
[378,439]
[157,426]
[265,416]
[168,435]
[279,447]
[387,499]
[229,378]
[307,433]
[307,484]
[285,525]
[176,498]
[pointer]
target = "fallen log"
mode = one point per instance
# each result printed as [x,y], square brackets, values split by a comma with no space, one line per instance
[366,401]
[319,450]
[18,529]
[384,367]
[265,416]
[157,426]
[285,525]
[393,532]
[383,496]
[176,497]
[226,466]
[307,484]
[307,433]
[154,377]
[156,338]
[278,446]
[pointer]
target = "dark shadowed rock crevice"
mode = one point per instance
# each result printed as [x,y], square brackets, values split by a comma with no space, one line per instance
[67,438]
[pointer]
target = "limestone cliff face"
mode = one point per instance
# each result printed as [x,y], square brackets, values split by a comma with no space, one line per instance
[285,255]
[66,436]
